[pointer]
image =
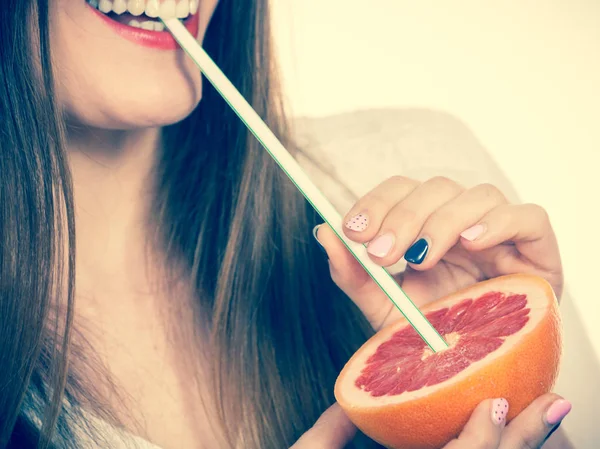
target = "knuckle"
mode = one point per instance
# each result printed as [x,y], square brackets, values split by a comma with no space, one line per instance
[540,214]
[440,219]
[401,180]
[375,202]
[371,202]
[399,183]
[491,192]
[442,181]
[404,215]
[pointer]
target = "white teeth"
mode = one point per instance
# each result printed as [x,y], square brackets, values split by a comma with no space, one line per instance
[119,6]
[183,9]
[136,7]
[153,8]
[167,9]
[105,6]
[148,25]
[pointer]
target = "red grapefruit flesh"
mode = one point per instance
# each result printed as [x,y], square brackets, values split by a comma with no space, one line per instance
[505,341]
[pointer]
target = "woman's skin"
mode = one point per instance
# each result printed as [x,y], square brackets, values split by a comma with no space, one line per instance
[472,235]
[114,94]
[113,91]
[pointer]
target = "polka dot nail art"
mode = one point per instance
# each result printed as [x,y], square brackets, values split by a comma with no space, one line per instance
[499,411]
[358,223]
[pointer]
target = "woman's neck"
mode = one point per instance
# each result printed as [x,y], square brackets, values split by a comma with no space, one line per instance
[112,158]
[112,183]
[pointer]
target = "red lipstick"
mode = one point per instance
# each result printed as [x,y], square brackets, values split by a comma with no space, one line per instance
[160,40]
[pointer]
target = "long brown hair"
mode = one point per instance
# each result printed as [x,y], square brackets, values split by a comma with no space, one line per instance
[281,330]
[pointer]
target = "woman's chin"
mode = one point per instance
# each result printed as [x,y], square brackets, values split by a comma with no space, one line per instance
[152,120]
[134,117]
[129,104]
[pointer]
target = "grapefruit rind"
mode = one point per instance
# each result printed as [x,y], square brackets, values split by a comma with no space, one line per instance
[524,367]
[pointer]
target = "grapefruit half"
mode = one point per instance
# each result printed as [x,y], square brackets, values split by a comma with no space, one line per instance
[505,341]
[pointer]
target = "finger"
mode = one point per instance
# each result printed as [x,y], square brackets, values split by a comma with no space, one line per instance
[404,222]
[526,225]
[364,219]
[442,229]
[556,439]
[354,281]
[484,428]
[533,245]
[533,425]
[333,430]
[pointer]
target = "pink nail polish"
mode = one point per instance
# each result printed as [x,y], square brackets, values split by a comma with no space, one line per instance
[499,411]
[557,411]
[473,232]
[358,223]
[381,246]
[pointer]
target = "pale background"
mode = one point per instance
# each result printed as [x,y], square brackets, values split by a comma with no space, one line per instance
[523,75]
[525,79]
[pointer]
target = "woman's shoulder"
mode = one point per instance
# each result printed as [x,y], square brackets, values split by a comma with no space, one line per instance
[357,150]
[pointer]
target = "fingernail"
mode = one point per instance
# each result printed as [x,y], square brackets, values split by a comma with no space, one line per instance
[381,246]
[473,232]
[416,253]
[557,411]
[499,411]
[314,233]
[358,223]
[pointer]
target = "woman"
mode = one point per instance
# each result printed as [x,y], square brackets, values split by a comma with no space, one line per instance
[205,317]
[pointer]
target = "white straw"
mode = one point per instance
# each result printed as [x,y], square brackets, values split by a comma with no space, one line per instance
[289,165]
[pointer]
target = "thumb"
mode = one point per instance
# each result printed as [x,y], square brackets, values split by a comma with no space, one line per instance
[352,278]
[535,424]
[345,269]
[333,430]
[484,428]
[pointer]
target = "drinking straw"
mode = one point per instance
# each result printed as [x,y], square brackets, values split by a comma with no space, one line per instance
[291,168]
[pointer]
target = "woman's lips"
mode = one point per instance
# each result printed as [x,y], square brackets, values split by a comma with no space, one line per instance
[161,40]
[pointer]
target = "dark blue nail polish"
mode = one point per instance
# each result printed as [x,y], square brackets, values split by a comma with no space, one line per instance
[416,253]
[554,429]
[314,233]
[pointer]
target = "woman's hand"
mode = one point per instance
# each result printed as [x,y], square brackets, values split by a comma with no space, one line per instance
[333,430]
[486,429]
[450,236]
